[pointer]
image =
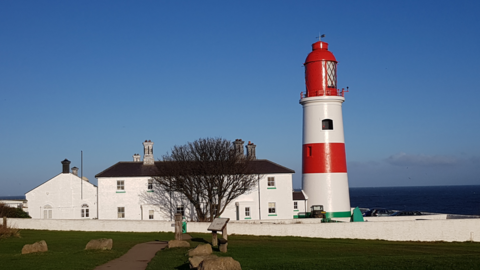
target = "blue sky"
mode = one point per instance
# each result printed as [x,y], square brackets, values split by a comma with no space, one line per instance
[103,76]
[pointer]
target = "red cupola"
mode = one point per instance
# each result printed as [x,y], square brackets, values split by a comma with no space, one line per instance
[321,71]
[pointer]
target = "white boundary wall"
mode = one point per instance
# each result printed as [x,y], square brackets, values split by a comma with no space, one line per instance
[449,230]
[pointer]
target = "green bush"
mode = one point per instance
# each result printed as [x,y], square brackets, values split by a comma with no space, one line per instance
[11,212]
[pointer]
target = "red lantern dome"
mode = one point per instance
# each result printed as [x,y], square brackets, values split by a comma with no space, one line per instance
[321,71]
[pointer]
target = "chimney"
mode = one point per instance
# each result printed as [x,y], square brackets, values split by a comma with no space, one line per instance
[136,157]
[238,144]
[148,153]
[75,171]
[66,166]
[251,150]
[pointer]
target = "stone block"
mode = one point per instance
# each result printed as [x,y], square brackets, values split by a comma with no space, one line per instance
[200,250]
[40,246]
[220,263]
[223,247]
[178,243]
[102,244]
[195,261]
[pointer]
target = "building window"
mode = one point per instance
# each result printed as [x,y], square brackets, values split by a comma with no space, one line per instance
[271,182]
[181,210]
[247,211]
[295,205]
[271,208]
[47,212]
[85,213]
[121,212]
[327,124]
[150,214]
[120,185]
[309,151]
[150,184]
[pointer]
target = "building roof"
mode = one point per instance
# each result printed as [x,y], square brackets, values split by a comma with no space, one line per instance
[12,198]
[134,169]
[298,196]
[54,178]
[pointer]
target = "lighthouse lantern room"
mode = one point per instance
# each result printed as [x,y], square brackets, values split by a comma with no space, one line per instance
[324,177]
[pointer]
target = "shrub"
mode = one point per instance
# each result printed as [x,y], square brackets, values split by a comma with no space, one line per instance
[9,232]
[12,212]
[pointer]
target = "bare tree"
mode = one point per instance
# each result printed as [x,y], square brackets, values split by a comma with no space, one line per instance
[209,173]
[167,202]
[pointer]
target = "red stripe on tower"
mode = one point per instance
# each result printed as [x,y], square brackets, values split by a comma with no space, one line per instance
[324,158]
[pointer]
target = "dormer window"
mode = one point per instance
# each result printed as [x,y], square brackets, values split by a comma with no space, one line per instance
[327,124]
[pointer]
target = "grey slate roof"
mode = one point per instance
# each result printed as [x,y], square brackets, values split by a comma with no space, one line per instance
[134,169]
[298,196]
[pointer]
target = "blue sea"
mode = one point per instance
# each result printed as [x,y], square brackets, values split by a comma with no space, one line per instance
[464,200]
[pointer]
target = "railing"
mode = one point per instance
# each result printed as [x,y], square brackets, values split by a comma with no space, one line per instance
[333,92]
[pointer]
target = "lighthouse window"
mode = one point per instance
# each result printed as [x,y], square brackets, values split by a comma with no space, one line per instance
[327,124]
[331,74]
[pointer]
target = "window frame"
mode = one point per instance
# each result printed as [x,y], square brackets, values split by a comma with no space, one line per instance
[151,214]
[215,209]
[47,212]
[295,205]
[180,210]
[327,124]
[247,212]
[272,211]
[331,67]
[121,212]
[271,182]
[121,185]
[85,211]
[150,185]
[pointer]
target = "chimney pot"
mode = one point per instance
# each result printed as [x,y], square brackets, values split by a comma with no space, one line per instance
[251,151]
[75,171]
[66,166]
[148,153]
[238,146]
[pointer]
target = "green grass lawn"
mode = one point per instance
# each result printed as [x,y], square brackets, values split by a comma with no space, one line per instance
[66,251]
[309,253]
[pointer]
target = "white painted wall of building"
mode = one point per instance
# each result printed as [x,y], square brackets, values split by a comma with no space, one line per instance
[131,198]
[136,206]
[280,194]
[448,230]
[63,193]
[301,208]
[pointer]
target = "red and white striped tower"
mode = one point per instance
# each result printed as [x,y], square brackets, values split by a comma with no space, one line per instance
[325,179]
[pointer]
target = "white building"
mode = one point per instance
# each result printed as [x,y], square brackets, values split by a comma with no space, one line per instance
[124,189]
[15,202]
[300,204]
[65,196]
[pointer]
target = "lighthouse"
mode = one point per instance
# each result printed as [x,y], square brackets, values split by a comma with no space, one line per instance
[324,177]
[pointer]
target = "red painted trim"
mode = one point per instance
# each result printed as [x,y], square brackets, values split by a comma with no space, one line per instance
[324,158]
